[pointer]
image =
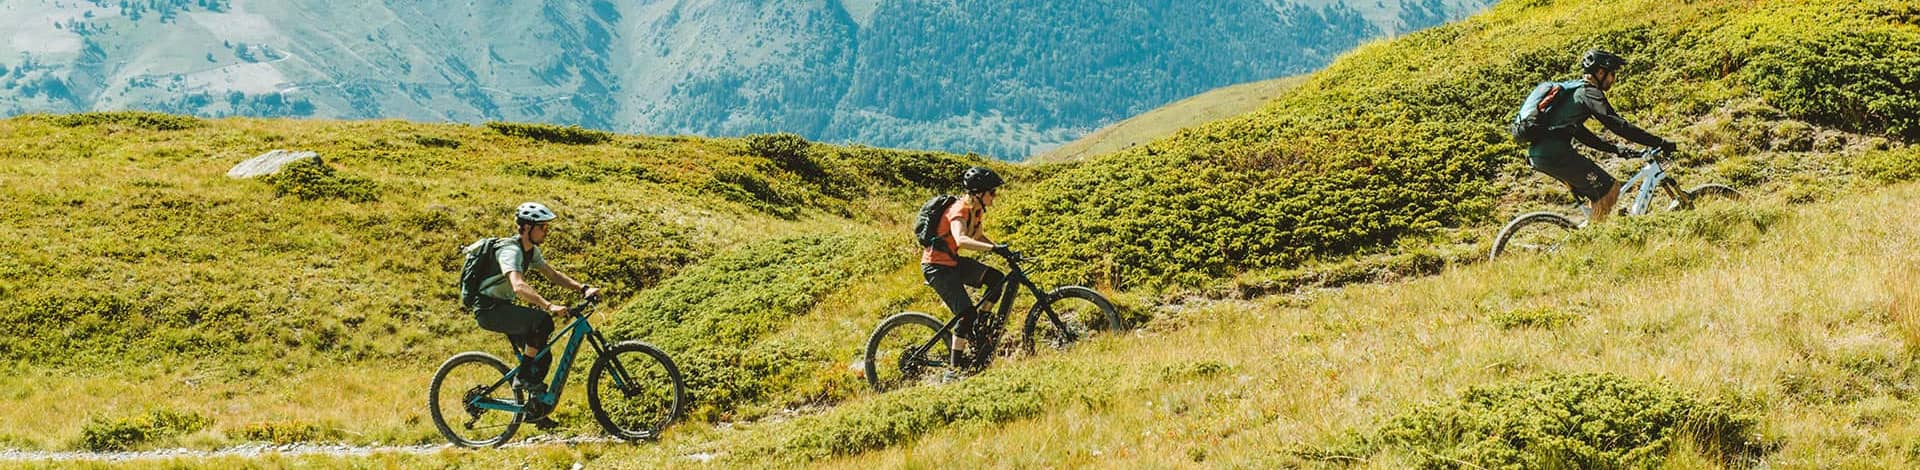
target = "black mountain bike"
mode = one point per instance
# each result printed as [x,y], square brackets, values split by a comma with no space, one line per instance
[633,389]
[912,346]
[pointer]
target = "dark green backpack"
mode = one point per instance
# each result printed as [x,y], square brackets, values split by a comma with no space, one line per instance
[480,265]
[926,227]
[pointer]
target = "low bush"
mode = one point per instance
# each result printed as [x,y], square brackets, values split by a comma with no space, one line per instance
[1562,421]
[136,119]
[311,179]
[1889,166]
[128,432]
[288,432]
[574,135]
[1533,317]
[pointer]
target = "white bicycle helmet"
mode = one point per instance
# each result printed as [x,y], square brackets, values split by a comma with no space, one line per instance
[533,213]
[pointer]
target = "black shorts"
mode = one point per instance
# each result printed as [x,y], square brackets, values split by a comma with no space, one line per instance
[1586,178]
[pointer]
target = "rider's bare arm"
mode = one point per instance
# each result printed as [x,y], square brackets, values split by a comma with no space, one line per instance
[525,291]
[959,230]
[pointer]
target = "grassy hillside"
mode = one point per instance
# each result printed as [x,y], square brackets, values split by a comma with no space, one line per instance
[1216,104]
[1776,331]
[1401,141]
[144,279]
[1740,334]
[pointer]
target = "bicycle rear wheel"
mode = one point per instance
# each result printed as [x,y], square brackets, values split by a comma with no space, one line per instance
[895,355]
[1537,232]
[1072,315]
[635,391]
[463,380]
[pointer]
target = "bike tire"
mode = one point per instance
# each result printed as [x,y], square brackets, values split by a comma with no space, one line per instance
[887,348]
[1516,234]
[1074,315]
[653,398]
[1712,191]
[470,382]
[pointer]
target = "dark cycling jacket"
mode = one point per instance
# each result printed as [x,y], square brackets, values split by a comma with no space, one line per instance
[1591,102]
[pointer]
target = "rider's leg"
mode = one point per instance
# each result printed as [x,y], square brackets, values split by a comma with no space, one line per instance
[1603,207]
[527,328]
[1587,179]
[948,284]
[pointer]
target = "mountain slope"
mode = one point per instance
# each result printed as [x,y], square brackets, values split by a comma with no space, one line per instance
[990,77]
[1152,125]
[1402,141]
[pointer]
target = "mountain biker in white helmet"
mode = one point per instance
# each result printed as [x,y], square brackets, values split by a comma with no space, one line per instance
[528,328]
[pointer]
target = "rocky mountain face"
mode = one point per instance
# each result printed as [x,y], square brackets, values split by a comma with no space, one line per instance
[999,78]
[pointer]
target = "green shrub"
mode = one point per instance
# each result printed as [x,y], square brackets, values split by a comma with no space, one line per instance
[1889,166]
[789,151]
[1562,421]
[1174,215]
[288,432]
[1535,317]
[574,135]
[131,431]
[137,119]
[1857,78]
[436,142]
[311,179]
[756,190]
[592,171]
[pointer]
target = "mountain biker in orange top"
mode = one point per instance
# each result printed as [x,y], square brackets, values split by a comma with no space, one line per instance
[950,274]
[1553,153]
[527,328]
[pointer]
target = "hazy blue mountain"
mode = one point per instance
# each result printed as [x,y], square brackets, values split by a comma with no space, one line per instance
[995,77]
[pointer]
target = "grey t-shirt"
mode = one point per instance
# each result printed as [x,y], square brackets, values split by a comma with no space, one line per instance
[507,251]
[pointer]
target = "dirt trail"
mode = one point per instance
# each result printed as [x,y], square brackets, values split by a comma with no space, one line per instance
[262,449]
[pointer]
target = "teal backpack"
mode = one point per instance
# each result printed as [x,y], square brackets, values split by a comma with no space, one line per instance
[1529,123]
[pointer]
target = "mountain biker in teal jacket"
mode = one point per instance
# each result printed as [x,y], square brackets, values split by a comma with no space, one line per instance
[1553,153]
[527,328]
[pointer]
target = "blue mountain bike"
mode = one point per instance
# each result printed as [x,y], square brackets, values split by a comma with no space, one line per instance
[1651,189]
[633,389]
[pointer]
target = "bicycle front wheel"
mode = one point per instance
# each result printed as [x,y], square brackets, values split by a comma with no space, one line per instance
[908,347]
[1538,232]
[462,382]
[1072,314]
[635,391]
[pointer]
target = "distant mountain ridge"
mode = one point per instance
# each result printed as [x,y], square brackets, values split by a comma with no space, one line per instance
[997,78]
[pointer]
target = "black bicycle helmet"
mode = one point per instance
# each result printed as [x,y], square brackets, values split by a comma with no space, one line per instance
[1596,59]
[980,179]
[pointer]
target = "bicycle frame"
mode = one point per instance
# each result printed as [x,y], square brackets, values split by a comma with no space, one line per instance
[580,331]
[1653,176]
[1017,278]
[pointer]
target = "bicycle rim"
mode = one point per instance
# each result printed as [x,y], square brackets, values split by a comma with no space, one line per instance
[1539,232]
[461,381]
[1074,315]
[635,391]
[904,351]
